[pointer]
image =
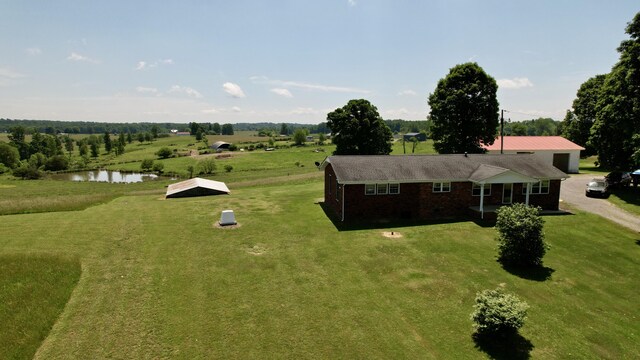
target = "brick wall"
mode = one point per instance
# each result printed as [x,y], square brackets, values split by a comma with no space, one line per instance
[418,201]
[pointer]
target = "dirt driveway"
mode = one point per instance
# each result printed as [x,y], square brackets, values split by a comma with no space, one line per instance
[572,192]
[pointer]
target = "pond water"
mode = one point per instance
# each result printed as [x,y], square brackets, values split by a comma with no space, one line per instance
[105,176]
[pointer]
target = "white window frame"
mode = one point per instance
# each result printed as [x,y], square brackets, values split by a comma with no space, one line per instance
[439,187]
[382,189]
[396,186]
[487,189]
[369,189]
[537,188]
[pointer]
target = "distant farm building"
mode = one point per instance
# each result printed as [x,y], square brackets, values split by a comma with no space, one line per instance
[309,138]
[182,133]
[554,150]
[220,145]
[196,187]
[418,136]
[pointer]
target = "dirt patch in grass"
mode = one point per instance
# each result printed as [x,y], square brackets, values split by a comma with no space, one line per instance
[218,226]
[392,234]
[256,250]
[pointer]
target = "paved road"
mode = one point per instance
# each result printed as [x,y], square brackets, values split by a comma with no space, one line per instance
[572,192]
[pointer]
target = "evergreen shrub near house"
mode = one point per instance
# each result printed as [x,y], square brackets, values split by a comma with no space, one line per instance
[520,235]
[498,313]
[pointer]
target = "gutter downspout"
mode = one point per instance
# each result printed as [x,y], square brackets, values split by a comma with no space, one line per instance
[343,190]
[481,201]
[528,191]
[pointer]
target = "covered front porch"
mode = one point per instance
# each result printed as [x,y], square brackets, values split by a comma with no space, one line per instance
[487,175]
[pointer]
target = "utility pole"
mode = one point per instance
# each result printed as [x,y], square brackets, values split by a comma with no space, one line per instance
[501,131]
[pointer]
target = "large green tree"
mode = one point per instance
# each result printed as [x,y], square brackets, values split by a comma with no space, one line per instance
[614,134]
[464,110]
[577,124]
[358,129]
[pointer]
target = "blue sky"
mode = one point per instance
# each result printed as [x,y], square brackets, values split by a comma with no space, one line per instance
[293,61]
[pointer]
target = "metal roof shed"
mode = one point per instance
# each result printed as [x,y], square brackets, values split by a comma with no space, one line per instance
[196,187]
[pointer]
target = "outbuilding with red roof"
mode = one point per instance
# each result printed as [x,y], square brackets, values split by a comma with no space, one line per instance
[554,150]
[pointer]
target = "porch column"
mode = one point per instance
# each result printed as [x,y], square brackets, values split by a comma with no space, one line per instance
[482,201]
[526,201]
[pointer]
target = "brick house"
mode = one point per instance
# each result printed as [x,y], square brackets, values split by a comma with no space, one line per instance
[425,187]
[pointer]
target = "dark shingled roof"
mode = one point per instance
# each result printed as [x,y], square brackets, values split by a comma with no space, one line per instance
[425,168]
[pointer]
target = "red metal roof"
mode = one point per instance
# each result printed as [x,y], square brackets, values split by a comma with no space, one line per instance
[530,143]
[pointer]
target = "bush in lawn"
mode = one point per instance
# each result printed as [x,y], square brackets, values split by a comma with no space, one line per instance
[498,313]
[146,165]
[207,166]
[164,153]
[228,168]
[520,235]
[158,167]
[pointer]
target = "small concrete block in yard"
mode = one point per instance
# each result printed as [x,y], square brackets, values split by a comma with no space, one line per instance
[227,218]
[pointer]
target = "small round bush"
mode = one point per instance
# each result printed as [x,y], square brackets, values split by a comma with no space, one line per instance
[164,153]
[158,167]
[228,168]
[520,235]
[496,312]
[146,165]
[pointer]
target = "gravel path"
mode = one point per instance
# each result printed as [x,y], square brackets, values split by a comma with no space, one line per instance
[572,192]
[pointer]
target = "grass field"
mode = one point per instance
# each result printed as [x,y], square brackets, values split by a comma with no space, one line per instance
[159,280]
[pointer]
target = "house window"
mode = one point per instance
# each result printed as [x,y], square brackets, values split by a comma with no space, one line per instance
[441,187]
[338,192]
[475,191]
[370,189]
[381,189]
[541,187]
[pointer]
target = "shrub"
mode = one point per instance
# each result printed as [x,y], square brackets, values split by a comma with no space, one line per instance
[496,312]
[164,153]
[228,168]
[3,168]
[207,166]
[146,165]
[56,163]
[520,235]
[233,147]
[27,171]
[9,155]
[158,167]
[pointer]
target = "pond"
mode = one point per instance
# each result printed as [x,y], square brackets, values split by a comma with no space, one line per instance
[105,176]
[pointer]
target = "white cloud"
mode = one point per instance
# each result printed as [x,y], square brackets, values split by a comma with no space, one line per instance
[515,83]
[10,74]
[144,65]
[407,92]
[33,51]
[210,111]
[307,86]
[77,57]
[282,92]
[185,90]
[352,2]
[233,89]
[146,90]
[236,109]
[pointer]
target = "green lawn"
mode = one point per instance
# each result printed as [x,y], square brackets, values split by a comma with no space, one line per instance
[34,290]
[160,281]
[588,166]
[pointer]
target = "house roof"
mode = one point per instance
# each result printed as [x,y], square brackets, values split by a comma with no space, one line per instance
[532,143]
[358,169]
[210,187]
